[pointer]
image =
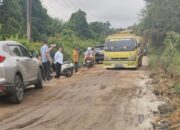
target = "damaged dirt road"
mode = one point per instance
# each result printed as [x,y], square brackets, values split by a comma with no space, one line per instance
[95,99]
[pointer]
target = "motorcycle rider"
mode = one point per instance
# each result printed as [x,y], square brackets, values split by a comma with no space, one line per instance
[88,55]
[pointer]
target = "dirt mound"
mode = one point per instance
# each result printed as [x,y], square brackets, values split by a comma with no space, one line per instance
[169,113]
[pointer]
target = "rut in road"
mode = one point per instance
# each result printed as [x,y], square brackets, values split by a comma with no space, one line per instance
[94,99]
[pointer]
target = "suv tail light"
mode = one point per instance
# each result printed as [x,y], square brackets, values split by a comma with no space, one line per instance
[2,58]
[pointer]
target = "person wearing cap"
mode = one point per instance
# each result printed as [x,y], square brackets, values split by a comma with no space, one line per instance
[75,59]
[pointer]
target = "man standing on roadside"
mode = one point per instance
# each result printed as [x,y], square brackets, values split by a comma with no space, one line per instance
[46,60]
[75,59]
[58,61]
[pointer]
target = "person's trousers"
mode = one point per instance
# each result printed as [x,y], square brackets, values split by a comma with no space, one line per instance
[46,70]
[76,67]
[58,70]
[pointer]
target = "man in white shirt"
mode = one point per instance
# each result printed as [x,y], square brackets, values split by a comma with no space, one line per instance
[58,61]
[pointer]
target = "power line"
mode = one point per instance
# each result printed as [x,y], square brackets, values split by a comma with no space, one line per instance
[82,4]
[75,5]
[70,3]
[55,9]
[67,3]
[85,7]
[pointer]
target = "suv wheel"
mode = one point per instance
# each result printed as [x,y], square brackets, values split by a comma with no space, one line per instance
[18,93]
[39,82]
[72,71]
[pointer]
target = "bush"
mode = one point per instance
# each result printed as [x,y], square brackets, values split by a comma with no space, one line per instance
[34,46]
[176,87]
[68,43]
[167,56]
[170,56]
[154,56]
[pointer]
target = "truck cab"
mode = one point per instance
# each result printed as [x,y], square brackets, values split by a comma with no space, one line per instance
[123,50]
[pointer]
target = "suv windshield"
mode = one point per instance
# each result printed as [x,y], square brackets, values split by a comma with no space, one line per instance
[120,45]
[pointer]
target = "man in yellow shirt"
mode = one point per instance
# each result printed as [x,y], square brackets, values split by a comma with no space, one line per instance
[75,59]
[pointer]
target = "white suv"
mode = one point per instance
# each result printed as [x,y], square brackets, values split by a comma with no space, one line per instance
[17,70]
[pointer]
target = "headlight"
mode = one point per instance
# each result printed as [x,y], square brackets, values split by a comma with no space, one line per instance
[106,57]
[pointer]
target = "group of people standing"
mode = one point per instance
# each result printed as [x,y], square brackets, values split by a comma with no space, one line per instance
[57,60]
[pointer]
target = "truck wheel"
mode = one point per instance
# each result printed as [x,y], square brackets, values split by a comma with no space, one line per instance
[18,93]
[39,82]
[140,62]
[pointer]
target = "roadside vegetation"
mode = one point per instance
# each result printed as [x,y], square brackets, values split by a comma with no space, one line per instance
[160,27]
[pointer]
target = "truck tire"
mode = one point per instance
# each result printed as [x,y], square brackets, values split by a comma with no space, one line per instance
[16,96]
[39,82]
[140,62]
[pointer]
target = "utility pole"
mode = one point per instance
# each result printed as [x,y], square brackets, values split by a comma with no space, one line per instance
[29,19]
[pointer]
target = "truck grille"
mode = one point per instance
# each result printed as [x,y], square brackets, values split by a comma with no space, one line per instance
[119,59]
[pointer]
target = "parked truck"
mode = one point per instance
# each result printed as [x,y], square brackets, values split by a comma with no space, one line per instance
[123,50]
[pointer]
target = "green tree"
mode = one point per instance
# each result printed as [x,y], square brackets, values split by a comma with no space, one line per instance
[100,29]
[11,18]
[159,17]
[79,25]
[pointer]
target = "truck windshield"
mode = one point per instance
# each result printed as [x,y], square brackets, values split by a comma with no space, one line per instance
[120,45]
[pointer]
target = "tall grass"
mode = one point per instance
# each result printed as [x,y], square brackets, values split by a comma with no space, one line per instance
[168,58]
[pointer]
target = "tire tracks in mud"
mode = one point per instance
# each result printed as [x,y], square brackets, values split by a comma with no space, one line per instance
[54,96]
[95,99]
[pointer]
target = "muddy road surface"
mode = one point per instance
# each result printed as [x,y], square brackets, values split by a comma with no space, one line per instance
[93,99]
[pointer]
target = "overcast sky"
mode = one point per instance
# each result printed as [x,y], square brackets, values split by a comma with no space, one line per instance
[120,13]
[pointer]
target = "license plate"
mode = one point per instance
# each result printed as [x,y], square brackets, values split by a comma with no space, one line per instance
[119,65]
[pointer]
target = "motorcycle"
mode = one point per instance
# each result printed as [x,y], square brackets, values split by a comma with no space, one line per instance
[89,62]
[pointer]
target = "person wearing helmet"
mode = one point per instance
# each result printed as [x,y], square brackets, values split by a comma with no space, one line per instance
[88,53]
